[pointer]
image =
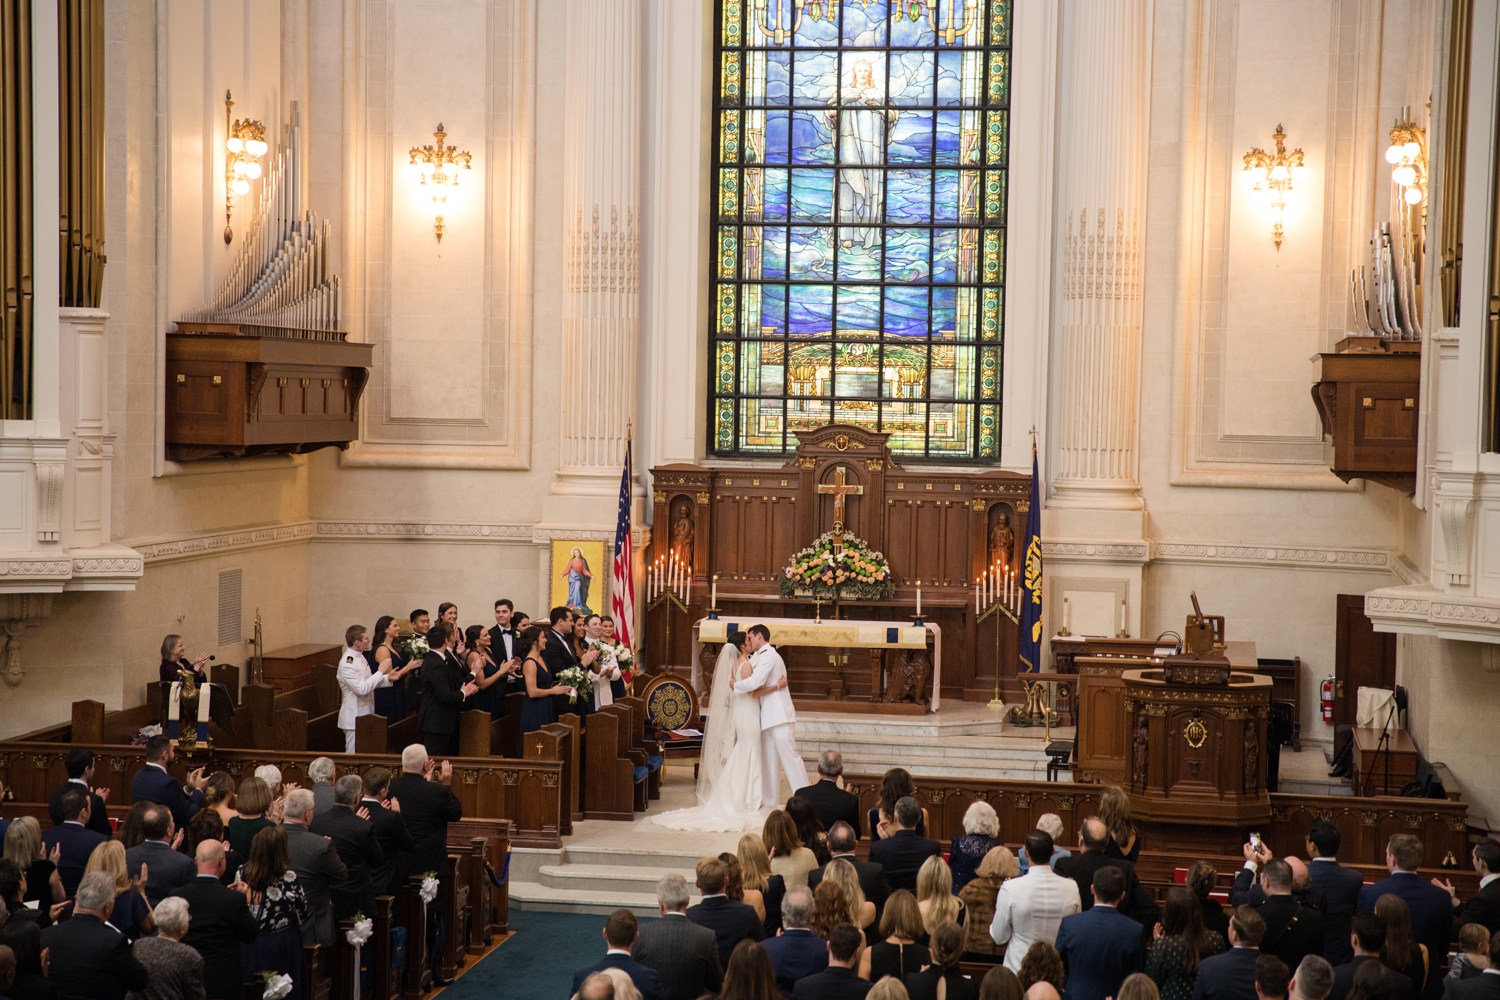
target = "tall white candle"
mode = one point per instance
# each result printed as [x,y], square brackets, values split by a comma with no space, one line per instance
[713,591]
[919,598]
[976,598]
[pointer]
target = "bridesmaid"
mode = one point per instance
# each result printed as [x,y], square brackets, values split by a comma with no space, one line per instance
[389,701]
[539,709]
[486,673]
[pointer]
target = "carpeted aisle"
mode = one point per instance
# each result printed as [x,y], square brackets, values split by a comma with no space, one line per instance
[538,961]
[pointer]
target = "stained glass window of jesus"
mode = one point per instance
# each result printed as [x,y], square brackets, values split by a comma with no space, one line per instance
[859,222]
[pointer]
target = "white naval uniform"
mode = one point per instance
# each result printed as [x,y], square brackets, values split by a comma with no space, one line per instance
[777,719]
[358,685]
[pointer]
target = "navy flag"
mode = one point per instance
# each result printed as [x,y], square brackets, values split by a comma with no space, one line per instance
[1031,581]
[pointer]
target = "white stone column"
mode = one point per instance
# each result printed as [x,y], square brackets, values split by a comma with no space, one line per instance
[601,162]
[1103,131]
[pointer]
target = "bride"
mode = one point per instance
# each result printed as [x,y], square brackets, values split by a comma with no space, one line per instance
[729,787]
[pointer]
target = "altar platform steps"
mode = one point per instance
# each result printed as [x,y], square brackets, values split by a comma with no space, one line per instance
[596,879]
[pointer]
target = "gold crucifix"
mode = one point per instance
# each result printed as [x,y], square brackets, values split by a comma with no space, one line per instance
[839,490]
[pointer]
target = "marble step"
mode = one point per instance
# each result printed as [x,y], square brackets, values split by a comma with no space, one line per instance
[634,857]
[921,727]
[535,896]
[608,880]
[954,757]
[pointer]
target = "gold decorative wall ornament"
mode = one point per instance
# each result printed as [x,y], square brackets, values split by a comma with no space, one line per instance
[436,167]
[1273,177]
[1195,733]
[245,144]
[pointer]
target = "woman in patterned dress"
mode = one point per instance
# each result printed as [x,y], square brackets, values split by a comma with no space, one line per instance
[279,906]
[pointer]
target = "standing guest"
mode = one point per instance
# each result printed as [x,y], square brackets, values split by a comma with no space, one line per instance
[935,897]
[1473,955]
[981,827]
[131,914]
[1138,986]
[1042,964]
[1031,907]
[1484,907]
[250,804]
[1431,907]
[1200,879]
[755,871]
[174,658]
[79,762]
[684,955]
[320,772]
[1231,976]
[487,674]
[796,952]
[830,907]
[1181,944]
[842,839]
[902,849]
[1293,931]
[540,707]
[559,655]
[221,924]
[206,827]
[271,775]
[1339,885]
[503,644]
[897,953]
[74,840]
[838,981]
[1051,824]
[1272,978]
[279,907]
[390,829]
[175,970]
[1114,809]
[831,802]
[428,805]
[607,633]
[731,922]
[861,910]
[1100,946]
[24,939]
[895,786]
[388,657]
[317,864]
[94,959]
[165,869]
[354,838]
[23,846]
[218,794]
[444,691]
[1000,984]
[789,858]
[356,683]
[129,834]
[1486,985]
[1402,954]
[153,783]
[979,898]
[944,980]
[620,935]
[1312,979]
[1367,940]
[749,975]
[889,988]
[607,673]
[809,828]
[13,889]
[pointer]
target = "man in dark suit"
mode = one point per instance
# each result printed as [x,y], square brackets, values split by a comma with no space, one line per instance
[796,952]
[354,838]
[1093,837]
[731,922]
[558,656]
[1485,986]
[902,853]
[427,806]
[503,639]
[80,764]
[620,934]
[92,960]
[1293,931]
[1231,976]
[829,801]
[390,829]
[1431,907]
[1100,946]
[684,955]
[1484,907]
[1272,978]
[153,783]
[1339,885]
[74,838]
[842,839]
[1312,979]
[445,687]
[166,869]
[1366,940]
[220,922]
[317,864]
[838,981]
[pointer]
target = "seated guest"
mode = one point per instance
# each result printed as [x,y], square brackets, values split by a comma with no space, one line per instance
[1486,985]
[1430,907]
[129,834]
[79,762]
[1339,885]
[763,889]
[279,907]
[23,846]
[981,827]
[153,783]
[1031,907]
[445,689]
[830,907]
[829,801]
[620,935]
[1484,906]
[390,829]
[250,803]
[1114,809]
[317,864]
[838,981]
[749,975]
[599,986]
[1093,838]
[74,840]
[842,838]
[895,786]
[356,683]
[861,912]
[797,952]
[13,889]
[1051,824]
[24,939]
[174,659]
[1473,955]
[1182,943]
[1375,981]
[221,924]
[1231,976]
[131,914]
[387,656]
[1042,965]
[810,828]
[1138,986]
[901,850]
[789,857]
[1402,954]
[94,961]
[540,707]
[731,922]
[175,970]
[684,955]
[935,897]
[734,884]
[978,898]
[427,806]
[1100,946]
[354,838]
[897,953]
[1312,979]
[320,772]
[947,950]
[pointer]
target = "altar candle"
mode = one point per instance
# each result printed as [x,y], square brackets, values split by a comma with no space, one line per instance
[919,598]
[976,598]
[713,591]
[1122,616]
[1067,614]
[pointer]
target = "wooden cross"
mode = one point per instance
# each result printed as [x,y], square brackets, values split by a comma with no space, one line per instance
[839,490]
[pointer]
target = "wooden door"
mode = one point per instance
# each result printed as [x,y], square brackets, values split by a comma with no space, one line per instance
[1363,657]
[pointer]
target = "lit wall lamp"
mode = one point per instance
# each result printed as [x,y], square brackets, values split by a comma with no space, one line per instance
[245,142]
[1407,155]
[1274,176]
[437,168]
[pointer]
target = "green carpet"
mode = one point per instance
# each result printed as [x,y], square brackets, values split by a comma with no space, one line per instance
[538,961]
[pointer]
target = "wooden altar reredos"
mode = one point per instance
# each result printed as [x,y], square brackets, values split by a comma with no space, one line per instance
[942,526]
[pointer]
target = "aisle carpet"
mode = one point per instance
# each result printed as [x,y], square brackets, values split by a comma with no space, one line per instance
[538,961]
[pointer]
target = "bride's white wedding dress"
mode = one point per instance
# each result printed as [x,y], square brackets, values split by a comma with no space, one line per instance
[729,785]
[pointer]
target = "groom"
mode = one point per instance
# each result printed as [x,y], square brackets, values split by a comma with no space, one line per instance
[768,683]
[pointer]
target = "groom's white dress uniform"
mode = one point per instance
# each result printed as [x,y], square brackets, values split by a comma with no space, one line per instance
[777,717]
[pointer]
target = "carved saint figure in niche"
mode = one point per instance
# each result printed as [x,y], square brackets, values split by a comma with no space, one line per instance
[1002,542]
[682,536]
[579,578]
[1138,768]
[908,682]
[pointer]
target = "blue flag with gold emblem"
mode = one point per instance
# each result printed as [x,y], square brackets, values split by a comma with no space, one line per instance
[1031,580]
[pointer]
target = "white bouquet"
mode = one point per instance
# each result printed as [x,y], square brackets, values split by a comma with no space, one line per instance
[277,985]
[626,660]
[429,887]
[361,931]
[416,647]
[576,678]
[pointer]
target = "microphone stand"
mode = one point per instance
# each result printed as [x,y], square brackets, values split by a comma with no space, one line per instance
[1384,745]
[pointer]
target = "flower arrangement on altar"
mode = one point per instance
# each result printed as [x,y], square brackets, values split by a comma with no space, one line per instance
[855,571]
[576,678]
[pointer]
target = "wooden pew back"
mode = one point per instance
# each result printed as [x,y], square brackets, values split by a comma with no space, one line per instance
[608,774]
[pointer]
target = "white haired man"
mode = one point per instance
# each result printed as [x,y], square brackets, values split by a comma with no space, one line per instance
[428,805]
[96,961]
[829,801]
[684,954]
[317,864]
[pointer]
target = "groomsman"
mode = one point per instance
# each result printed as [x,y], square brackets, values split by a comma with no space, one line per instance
[607,629]
[421,622]
[559,656]
[445,686]
[505,644]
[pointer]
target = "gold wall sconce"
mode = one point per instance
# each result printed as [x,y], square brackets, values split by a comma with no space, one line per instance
[1407,155]
[245,144]
[436,167]
[1273,177]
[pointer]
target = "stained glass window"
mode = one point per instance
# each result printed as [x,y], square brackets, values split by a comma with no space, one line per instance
[859,273]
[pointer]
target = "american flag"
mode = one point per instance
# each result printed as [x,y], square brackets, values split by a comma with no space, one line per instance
[621,575]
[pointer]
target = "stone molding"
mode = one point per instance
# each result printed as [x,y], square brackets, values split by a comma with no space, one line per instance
[164,550]
[424,532]
[1355,560]
[1424,610]
[112,567]
[1103,551]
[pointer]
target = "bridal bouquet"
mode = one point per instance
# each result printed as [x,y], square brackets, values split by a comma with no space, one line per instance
[626,660]
[416,648]
[576,678]
[856,571]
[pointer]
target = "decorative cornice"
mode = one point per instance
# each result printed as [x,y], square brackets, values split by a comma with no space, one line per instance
[1355,560]
[414,531]
[1423,610]
[1102,551]
[41,568]
[165,550]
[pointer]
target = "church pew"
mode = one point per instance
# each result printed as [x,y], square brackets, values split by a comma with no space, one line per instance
[647,746]
[481,842]
[383,975]
[412,913]
[312,972]
[555,742]
[341,964]
[453,904]
[377,734]
[510,729]
[608,772]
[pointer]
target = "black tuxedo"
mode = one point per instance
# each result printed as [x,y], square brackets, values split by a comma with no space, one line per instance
[394,839]
[77,843]
[442,700]
[1230,976]
[685,956]
[901,855]
[833,983]
[1343,978]
[427,807]
[98,817]
[644,977]
[1293,931]
[220,923]
[871,880]
[1138,903]
[1483,908]
[832,803]
[1485,986]
[731,923]
[498,650]
[93,961]
[354,839]
[559,656]
[1340,888]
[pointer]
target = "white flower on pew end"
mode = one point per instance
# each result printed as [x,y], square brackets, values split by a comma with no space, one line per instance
[429,887]
[361,931]
[277,985]
[152,730]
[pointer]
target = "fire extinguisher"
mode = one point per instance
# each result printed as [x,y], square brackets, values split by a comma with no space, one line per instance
[1325,695]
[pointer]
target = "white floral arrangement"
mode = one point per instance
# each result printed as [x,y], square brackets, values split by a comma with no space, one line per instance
[416,647]
[361,931]
[429,887]
[277,985]
[626,659]
[576,678]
